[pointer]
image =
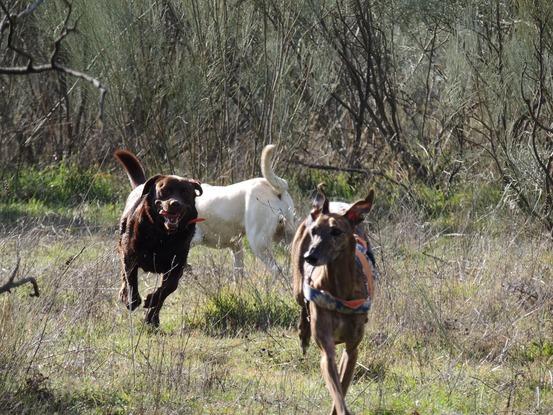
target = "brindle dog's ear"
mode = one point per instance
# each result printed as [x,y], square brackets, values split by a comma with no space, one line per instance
[150,183]
[320,202]
[360,208]
[197,187]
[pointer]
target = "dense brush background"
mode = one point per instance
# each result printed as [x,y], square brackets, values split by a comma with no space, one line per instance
[444,107]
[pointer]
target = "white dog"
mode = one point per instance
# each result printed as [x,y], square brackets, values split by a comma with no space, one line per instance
[260,209]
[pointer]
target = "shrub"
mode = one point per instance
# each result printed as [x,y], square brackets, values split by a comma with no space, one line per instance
[63,184]
[341,186]
[229,312]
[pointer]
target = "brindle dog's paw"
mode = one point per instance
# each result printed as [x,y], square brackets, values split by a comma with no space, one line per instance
[123,294]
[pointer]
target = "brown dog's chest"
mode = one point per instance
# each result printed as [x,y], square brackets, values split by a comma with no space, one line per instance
[343,328]
[161,257]
[155,251]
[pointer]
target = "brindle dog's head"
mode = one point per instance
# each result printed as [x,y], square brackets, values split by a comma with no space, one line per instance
[331,234]
[172,201]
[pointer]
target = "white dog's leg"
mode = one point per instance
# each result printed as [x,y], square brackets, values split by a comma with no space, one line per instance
[198,237]
[238,261]
[261,248]
[261,223]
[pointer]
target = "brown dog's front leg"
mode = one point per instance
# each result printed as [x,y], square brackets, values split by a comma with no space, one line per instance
[347,367]
[128,293]
[154,301]
[330,375]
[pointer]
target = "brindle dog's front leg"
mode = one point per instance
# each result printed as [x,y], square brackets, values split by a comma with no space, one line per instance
[154,301]
[128,293]
[330,374]
[347,367]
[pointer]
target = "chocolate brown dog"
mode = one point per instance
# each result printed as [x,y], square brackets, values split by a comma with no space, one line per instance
[156,228]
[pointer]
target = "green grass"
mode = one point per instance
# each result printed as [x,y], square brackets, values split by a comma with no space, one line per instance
[61,194]
[62,184]
[462,324]
[36,211]
[240,311]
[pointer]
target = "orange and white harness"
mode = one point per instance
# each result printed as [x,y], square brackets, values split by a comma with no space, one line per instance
[357,306]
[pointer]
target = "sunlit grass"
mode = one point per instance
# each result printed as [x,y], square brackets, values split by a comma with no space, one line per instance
[461,325]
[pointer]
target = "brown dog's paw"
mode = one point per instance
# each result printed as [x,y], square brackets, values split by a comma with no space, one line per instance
[152,318]
[134,303]
[124,297]
[148,301]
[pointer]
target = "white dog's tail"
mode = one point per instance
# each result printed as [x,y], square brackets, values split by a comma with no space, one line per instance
[278,184]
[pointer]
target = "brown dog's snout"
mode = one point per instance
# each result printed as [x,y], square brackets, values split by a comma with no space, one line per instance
[171,205]
[174,204]
[311,257]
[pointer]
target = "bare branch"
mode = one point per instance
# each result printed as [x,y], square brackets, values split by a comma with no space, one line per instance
[53,66]
[11,283]
[352,170]
[7,20]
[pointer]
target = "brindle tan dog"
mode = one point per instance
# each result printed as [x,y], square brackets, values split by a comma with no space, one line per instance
[325,270]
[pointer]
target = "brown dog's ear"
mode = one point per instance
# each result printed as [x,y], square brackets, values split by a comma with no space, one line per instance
[360,208]
[320,202]
[197,187]
[150,183]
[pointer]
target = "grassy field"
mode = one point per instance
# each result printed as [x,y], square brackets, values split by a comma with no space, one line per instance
[444,107]
[462,325]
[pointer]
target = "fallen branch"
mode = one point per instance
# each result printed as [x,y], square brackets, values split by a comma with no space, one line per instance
[14,284]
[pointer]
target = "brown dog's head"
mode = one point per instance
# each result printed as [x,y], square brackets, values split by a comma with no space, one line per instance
[331,234]
[172,201]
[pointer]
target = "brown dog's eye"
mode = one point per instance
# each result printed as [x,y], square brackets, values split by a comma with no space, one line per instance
[335,231]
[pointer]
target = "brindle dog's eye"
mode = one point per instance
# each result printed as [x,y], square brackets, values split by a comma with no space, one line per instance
[335,231]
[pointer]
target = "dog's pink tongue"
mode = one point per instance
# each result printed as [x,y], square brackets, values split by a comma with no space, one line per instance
[170,221]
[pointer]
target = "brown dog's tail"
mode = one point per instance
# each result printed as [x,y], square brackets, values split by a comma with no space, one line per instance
[132,167]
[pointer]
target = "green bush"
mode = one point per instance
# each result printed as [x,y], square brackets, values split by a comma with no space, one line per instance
[63,184]
[230,313]
[538,349]
[447,208]
[337,185]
